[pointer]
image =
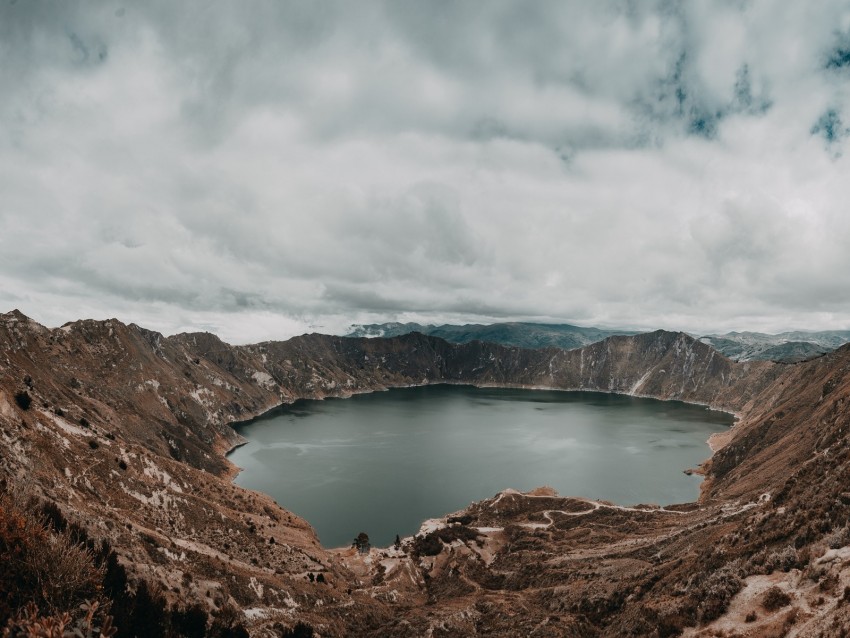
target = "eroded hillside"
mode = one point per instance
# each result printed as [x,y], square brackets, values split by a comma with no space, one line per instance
[126,432]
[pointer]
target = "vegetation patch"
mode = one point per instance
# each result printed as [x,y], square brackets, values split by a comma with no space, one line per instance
[23,399]
[432,543]
[774,598]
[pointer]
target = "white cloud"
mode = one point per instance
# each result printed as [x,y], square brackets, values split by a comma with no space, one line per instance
[303,166]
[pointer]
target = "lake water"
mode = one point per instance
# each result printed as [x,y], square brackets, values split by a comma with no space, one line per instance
[384,462]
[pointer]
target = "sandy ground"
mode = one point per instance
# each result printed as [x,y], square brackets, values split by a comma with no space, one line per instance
[719,440]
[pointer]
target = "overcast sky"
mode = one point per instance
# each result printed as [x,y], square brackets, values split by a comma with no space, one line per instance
[261,169]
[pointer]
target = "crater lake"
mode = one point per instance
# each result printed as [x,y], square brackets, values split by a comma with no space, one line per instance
[384,462]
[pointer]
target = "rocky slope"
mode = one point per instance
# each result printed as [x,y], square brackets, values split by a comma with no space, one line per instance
[126,432]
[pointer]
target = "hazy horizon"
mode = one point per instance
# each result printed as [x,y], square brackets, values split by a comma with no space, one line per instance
[350,327]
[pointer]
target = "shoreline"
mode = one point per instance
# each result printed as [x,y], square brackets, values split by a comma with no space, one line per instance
[716,441]
[720,440]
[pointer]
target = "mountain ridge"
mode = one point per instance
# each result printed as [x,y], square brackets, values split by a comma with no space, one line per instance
[517,333]
[105,393]
[784,347]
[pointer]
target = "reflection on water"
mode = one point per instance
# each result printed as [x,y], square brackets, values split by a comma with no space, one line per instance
[382,463]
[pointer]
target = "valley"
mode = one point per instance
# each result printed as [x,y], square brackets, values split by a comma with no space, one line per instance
[125,432]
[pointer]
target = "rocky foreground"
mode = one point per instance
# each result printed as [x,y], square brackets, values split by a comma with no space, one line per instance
[124,431]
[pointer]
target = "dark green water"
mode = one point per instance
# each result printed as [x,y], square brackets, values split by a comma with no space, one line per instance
[384,462]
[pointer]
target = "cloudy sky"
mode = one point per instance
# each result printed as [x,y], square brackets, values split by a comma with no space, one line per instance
[261,169]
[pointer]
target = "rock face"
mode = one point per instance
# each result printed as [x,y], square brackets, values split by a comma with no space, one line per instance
[125,430]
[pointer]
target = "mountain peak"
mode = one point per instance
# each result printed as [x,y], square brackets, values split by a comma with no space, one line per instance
[14,315]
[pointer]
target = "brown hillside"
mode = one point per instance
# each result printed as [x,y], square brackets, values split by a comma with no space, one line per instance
[125,431]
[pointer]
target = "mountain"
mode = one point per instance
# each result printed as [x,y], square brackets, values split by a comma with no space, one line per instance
[391,329]
[121,432]
[787,347]
[522,335]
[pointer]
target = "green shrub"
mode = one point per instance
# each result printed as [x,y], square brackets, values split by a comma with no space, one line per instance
[428,545]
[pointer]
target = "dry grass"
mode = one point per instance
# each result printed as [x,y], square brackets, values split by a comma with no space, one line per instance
[45,574]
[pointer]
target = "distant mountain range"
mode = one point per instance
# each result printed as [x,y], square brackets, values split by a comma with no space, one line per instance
[519,334]
[785,347]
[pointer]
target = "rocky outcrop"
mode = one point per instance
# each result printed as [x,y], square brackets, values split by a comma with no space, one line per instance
[125,430]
